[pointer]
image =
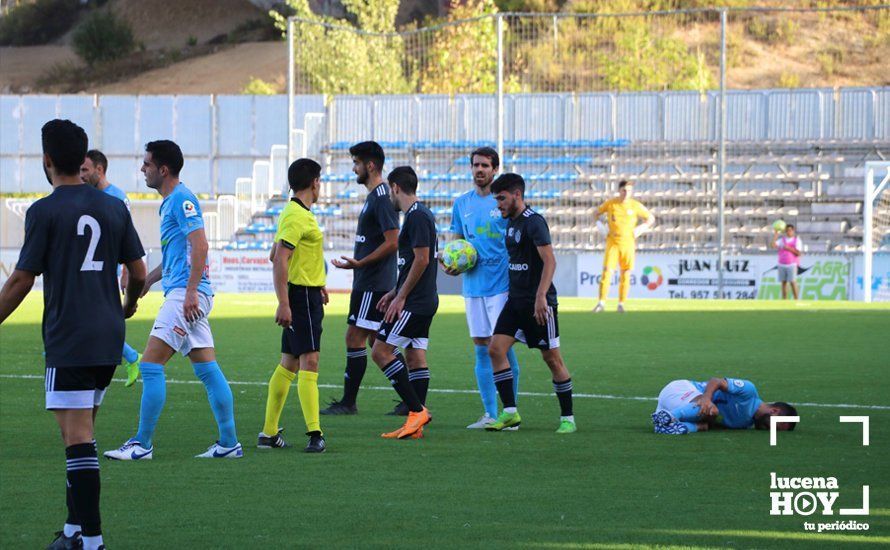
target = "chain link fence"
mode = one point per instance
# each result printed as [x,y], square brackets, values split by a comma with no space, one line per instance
[578,102]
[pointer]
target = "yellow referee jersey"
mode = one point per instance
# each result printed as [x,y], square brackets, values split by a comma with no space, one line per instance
[623,216]
[299,231]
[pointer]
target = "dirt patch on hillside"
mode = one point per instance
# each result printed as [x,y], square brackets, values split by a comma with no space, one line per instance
[21,67]
[165,24]
[224,72]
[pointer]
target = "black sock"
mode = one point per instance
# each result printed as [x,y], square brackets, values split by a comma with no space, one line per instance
[83,477]
[356,363]
[397,373]
[564,394]
[420,380]
[72,515]
[503,381]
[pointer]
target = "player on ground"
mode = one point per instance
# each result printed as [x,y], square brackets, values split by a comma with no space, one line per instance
[93,171]
[622,214]
[790,248]
[299,278]
[374,267]
[76,237]
[409,308]
[475,217]
[686,406]
[530,314]
[181,324]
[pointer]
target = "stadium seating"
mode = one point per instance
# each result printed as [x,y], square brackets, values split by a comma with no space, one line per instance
[814,185]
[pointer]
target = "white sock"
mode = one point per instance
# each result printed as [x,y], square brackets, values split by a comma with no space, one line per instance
[92,543]
[70,530]
[601,303]
[510,410]
[570,418]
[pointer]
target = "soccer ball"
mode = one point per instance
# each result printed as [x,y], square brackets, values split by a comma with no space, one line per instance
[459,255]
[779,225]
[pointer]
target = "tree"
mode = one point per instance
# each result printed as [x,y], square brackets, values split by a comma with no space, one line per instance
[336,58]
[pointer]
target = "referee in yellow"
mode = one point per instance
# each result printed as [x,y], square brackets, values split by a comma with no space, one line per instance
[299,277]
[623,214]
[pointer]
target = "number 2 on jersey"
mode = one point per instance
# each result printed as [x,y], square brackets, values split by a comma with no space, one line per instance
[95,232]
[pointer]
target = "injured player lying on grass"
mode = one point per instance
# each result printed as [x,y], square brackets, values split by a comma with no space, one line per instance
[686,406]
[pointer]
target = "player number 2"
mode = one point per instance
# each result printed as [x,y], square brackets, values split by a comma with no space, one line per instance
[95,232]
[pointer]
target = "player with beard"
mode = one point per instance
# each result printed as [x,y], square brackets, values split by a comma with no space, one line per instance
[374,267]
[475,217]
[530,314]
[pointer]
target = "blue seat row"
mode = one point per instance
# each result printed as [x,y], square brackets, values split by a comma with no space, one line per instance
[537,161]
[249,245]
[509,144]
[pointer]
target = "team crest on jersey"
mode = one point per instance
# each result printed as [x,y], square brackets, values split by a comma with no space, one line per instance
[630,212]
[494,213]
[518,236]
[510,232]
[188,208]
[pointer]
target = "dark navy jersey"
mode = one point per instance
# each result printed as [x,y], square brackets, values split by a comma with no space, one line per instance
[76,237]
[378,216]
[524,235]
[419,231]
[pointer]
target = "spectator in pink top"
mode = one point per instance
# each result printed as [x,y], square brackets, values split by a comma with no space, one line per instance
[790,248]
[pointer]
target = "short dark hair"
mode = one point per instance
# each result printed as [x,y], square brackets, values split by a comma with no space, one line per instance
[762,422]
[66,145]
[98,158]
[405,177]
[369,151]
[166,153]
[301,174]
[624,183]
[791,225]
[508,182]
[786,410]
[489,153]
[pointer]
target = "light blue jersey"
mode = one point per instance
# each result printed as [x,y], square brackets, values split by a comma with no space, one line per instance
[736,405]
[478,220]
[180,215]
[118,193]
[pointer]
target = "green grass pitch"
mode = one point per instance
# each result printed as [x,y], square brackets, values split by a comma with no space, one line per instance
[614,484]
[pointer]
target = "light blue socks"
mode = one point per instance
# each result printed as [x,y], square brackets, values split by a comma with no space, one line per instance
[154,394]
[220,396]
[687,413]
[514,366]
[485,382]
[129,353]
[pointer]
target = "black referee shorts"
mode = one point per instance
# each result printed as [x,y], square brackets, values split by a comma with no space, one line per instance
[307,313]
[517,320]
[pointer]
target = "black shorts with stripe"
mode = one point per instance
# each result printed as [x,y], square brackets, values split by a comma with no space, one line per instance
[410,330]
[363,309]
[76,387]
[517,320]
[307,314]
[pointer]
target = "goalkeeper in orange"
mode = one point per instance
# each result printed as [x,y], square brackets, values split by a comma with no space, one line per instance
[623,214]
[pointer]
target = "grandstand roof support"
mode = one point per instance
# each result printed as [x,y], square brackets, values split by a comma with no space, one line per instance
[499,24]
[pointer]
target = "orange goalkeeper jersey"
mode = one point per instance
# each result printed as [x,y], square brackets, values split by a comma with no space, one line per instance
[623,217]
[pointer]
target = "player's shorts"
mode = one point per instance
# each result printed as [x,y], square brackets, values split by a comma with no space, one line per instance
[483,313]
[787,273]
[363,309]
[619,255]
[181,335]
[677,394]
[76,387]
[518,321]
[307,313]
[410,330]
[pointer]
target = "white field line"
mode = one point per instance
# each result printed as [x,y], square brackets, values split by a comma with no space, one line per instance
[474,392]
